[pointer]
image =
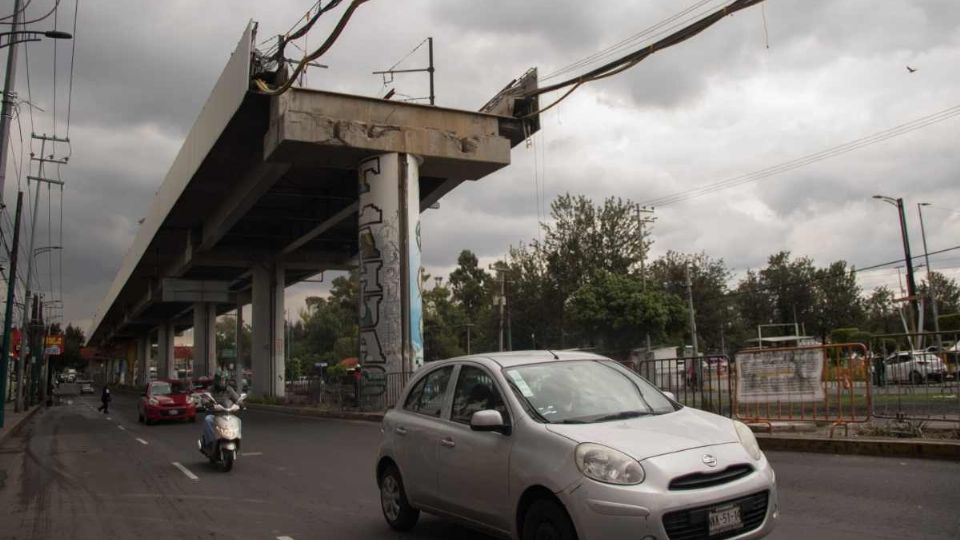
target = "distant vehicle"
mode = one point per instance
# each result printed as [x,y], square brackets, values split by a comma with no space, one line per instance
[86,387]
[70,375]
[536,445]
[915,367]
[166,400]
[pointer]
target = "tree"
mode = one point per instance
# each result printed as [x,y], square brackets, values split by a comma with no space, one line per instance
[225,332]
[947,294]
[443,321]
[73,340]
[839,299]
[469,283]
[615,309]
[708,277]
[881,313]
[585,239]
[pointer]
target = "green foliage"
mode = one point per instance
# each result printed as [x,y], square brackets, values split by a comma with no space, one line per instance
[615,309]
[850,335]
[708,278]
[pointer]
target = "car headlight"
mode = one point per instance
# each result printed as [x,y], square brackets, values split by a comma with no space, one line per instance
[748,440]
[154,402]
[607,465]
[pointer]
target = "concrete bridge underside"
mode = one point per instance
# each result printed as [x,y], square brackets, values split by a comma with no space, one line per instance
[265,192]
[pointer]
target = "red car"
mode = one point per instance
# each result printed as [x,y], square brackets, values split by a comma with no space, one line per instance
[166,400]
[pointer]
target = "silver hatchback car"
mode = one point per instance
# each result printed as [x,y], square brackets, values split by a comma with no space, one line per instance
[538,445]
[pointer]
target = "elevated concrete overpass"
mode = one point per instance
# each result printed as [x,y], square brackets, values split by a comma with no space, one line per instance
[269,190]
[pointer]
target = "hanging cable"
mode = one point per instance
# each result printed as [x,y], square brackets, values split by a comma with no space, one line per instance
[49,13]
[856,144]
[73,54]
[623,44]
[23,9]
[622,64]
[331,39]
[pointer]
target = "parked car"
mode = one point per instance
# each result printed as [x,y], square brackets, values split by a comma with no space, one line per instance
[567,445]
[915,367]
[168,399]
[86,387]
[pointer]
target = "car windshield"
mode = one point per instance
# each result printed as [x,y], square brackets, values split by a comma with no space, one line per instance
[166,389]
[585,391]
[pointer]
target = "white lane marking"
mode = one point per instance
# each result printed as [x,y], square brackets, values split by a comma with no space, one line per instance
[185,471]
[141,441]
[251,454]
[108,418]
[284,538]
[121,427]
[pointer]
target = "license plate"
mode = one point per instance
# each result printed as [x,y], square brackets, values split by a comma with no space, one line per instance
[726,518]
[174,412]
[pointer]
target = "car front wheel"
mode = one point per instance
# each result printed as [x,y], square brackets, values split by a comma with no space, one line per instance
[393,500]
[547,520]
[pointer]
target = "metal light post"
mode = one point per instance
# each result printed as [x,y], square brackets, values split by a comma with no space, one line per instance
[911,282]
[931,290]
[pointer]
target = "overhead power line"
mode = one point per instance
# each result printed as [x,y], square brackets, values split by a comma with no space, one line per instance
[38,19]
[808,159]
[22,9]
[331,39]
[628,61]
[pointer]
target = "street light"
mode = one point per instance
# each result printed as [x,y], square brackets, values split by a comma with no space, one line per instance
[23,36]
[930,288]
[911,282]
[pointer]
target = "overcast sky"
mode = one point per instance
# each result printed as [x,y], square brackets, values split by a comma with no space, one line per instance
[740,97]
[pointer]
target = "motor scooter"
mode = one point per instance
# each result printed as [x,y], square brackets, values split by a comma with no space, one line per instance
[220,435]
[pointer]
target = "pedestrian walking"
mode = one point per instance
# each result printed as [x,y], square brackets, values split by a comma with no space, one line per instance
[105,399]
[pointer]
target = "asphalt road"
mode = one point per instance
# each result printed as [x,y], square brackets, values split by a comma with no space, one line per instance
[75,473]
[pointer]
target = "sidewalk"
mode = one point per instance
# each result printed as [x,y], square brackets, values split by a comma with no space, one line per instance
[14,421]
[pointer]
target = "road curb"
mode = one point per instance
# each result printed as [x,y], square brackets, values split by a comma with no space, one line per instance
[317,413]
[945,450]
[18,424]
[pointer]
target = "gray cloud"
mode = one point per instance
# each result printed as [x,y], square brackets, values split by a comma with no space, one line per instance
[717,106]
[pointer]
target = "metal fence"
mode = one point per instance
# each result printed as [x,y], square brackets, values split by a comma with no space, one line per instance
[374,390]
[702,385]
[916,376]
[816,384]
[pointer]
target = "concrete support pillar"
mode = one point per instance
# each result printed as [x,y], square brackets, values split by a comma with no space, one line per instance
[391,307]
[267,348]
[166,367]
[143,355]
[204,339]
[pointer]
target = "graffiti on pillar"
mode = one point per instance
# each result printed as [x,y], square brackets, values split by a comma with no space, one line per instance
[415,284]
[380,311]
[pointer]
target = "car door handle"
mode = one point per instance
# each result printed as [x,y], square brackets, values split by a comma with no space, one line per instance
[448,442]
[400,430]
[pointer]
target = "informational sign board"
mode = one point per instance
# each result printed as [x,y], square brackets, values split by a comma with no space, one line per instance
[53,345]
[780,375]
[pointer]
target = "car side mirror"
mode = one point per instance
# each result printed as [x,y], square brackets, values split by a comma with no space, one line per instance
[670,395]
[489,420]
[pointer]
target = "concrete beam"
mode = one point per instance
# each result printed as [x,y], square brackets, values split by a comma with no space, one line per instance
[339,130]
[242,197]
[330,223]
[192,290]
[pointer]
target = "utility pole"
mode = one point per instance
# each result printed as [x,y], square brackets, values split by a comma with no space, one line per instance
[502,299]
[6,113]
[8,313]
[931,290]
[693,330]
[693,318]
[238,341]
[18,406]
[644,216]
[908,259]
[468,326]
